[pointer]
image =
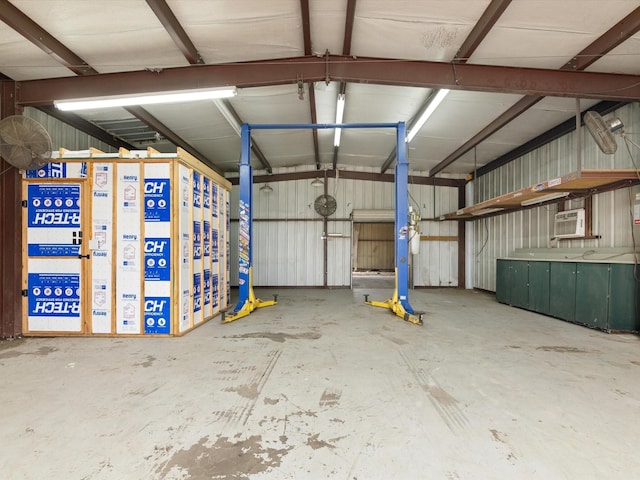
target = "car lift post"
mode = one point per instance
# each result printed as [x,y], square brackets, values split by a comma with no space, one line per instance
[399,302]
[247,301]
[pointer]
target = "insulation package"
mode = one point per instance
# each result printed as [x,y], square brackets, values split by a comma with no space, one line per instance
[133,243]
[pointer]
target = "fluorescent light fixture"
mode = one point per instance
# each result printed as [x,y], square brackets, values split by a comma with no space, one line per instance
[145,99]
[339,115]
[225,110]
[544,198]
[486,211]
[428,111]
[266,188]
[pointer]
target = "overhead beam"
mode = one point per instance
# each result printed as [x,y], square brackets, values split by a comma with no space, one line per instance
[616,35]
[346,50]
[162,129]
[619,33]
[83,125]
[480,30]
[37,35]
[479,78]
[175,31]
[554,133]
[306,40]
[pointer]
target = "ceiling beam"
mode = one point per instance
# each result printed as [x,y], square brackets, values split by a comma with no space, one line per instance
[175,30]
[346,50]
[33,32]
[560,130]
[480,30]
[306,37]
[617,34]
[620,32]
[83,125]
[162,129]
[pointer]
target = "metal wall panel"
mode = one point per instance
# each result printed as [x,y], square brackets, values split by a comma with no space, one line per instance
[288,248]
[65,136]
[498,236]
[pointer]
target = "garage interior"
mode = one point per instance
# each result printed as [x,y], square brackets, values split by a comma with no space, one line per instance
[519,232]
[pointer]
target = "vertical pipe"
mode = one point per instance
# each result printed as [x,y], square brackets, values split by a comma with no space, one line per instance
[401,218]
[245,216]
[578,137]
[461,238]
[325,229]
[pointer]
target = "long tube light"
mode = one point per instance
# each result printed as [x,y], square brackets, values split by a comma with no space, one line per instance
[544,198]
[228,114]
[428,111]
[339,115]
[150,99]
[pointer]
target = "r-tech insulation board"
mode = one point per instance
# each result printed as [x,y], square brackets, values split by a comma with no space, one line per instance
[133,243]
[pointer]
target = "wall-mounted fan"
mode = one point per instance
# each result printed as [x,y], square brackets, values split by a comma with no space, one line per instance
[602,131]
[325,205]
[24,143]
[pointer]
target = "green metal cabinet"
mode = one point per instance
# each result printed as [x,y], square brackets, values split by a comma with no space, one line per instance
[503,292]
[592,295]
[562,295]
[624,299]
[512,280]
[539,287]
[599,295]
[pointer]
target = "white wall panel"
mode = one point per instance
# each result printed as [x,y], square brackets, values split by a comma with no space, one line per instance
[498,236]
[288,248]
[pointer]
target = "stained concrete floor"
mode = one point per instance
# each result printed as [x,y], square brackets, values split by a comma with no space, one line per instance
[322,386]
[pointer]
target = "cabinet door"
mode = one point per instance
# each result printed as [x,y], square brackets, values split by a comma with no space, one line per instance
[520,284]
[592,292]
[503,277]
[562,293]
[539,287]
[623,300]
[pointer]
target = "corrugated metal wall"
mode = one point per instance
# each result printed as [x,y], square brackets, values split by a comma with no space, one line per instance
[288,248]
[65,136]
[497,237]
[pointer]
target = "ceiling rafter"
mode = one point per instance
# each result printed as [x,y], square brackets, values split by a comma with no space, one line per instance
[46,42]
[37,35]
[346,50]
[480,30]
[306,40]
[623,30]
[175,31]
[145,117]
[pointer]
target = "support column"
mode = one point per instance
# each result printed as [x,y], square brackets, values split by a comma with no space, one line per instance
[11,238]
[399,303]
[247,301]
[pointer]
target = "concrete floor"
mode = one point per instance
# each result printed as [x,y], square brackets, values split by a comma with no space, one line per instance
[322,386]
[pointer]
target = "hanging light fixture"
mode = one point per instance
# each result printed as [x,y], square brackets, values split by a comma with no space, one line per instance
[266,188]
[317,183]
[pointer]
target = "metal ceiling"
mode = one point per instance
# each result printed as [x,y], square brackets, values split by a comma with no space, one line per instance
[514,67]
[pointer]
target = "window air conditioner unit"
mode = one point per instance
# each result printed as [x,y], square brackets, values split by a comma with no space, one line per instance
[569,223]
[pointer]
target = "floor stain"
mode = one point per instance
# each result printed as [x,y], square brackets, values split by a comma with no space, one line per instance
[279,337]
[635,362]
[330,398]
[225,459]
[496,436]
[564,349]
[147,363]
[42,351]
[271,401]
[315,443]
[397,341]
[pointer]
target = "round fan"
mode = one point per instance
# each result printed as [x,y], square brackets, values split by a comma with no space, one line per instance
[24,143]
[325,205]
[602,131]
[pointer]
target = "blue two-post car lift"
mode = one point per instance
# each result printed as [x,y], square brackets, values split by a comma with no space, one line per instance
[399,302]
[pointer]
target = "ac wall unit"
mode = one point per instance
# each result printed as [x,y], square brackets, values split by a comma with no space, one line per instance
[569,223]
